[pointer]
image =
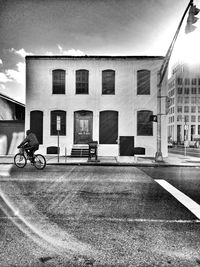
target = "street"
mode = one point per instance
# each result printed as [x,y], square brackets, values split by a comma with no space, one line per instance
[99,216]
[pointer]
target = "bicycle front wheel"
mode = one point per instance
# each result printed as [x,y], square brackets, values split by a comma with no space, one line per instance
[39,162]
[20,160]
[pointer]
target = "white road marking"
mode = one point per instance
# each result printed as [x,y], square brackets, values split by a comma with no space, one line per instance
[111,219]
[190,204]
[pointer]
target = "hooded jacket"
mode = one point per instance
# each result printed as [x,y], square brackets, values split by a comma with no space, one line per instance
[31,139]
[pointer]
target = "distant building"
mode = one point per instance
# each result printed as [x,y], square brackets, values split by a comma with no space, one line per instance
[184,112]
[102,98]
[12,120]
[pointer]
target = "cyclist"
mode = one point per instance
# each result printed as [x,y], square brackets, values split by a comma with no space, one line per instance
[30,144]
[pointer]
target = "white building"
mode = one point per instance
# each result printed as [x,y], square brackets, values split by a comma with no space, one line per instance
[184,113]
[101,98]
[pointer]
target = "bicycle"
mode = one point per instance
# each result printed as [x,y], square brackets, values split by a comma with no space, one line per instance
[21,158]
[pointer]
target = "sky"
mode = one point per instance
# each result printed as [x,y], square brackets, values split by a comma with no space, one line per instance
[86,27]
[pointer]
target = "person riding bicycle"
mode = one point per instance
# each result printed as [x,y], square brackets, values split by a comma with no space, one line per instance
[30,144]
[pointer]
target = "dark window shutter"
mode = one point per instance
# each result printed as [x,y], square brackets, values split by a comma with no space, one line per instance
[143,82]
[82,81]
[58,82]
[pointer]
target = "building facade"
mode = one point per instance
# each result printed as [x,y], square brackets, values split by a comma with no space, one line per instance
[102,98]
[12,121]
[184,112]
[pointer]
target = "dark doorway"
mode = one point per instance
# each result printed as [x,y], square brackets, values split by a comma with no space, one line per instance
[36,124]
[83,127]
[126,145]
[108,127]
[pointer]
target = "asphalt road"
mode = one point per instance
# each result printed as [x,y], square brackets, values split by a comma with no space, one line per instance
[98,216]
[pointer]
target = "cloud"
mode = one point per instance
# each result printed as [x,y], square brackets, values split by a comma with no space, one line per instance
[17,75]
[71,52]
[2,87]
[49,53]
[12,75]
[4,78]
[21,52]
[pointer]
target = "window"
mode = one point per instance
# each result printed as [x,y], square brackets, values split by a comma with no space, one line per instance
[179,109]
[180,100]
[186,91]
[187,100]
[62,115]
[143,82]
[82,81]
[187,81]
[180,81]
[180,90]
[186,109]
[108,82]
[198,109]
[179,118]
[193,100]
[186,118]
[193,118]
[144,125]
[194,90]
[193,109]
[194,81]
[58,81]
[198,129]
[199,119]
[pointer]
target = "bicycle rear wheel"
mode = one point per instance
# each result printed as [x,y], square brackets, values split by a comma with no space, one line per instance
[39,162]
[20,160]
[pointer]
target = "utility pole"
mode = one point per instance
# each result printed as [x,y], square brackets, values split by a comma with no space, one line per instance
[189,27]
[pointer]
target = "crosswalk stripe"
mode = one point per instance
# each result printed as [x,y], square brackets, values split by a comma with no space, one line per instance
[181,197]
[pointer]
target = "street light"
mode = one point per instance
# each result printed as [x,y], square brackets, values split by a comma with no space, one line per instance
[163,69]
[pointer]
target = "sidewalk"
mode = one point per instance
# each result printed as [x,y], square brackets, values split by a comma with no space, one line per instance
[171,160]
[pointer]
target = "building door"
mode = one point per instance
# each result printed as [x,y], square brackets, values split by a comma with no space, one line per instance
[126,145]
[36,124]
[108,127]
[83,127]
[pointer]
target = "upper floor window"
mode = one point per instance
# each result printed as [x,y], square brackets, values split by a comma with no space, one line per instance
[144,124]
[108,82]
[194,90]
[180,90]
[180,81]
[58,115]
[82,77]
[194,81]
[58,81]
[186,90]
[143,82]
[187,81]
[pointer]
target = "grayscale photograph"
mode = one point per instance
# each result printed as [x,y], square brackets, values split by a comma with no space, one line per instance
[99,133]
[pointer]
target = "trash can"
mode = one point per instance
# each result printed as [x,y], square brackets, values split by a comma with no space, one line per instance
[93,149]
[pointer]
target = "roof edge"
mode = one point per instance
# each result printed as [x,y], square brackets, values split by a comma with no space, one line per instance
[11,100]
[92,57]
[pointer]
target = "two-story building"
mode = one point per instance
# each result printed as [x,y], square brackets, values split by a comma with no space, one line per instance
[109,99]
